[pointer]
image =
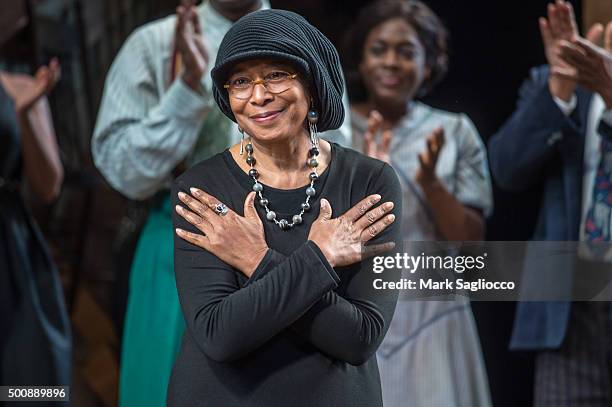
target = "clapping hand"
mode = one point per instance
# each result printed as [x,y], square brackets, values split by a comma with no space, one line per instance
[190,44]
[31,91]
[426,174]
[371,146]
[589,65]
[558,27]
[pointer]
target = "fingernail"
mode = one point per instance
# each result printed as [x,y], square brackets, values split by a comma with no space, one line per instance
[389,205]
[178,208]
[195,191]
[182,195]
[376,198]
[178,231]
[390,218]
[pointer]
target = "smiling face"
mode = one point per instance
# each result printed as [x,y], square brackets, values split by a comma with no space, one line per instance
[268,116]
[393,64]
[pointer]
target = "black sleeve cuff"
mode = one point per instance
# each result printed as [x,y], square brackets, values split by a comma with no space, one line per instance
[313,246]
[261,267]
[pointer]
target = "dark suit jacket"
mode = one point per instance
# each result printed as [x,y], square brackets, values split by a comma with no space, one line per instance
[539,144]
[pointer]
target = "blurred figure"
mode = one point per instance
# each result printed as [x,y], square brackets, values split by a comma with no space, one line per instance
[561,136]
[35,346]
[431,355]
[157,118]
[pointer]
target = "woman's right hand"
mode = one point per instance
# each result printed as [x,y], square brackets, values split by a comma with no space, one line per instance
[342,239]
[371,146]
[237,240]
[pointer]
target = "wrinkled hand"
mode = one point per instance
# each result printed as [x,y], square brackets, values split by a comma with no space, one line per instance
[190,44]
[342,239]
[561,26]
[426,174]
[238,241]
[371,146]
[43,82]
[589,65]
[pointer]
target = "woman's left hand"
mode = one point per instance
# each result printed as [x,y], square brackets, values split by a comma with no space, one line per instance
[237,240]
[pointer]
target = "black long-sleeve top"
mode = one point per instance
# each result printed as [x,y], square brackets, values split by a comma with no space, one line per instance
[298,332]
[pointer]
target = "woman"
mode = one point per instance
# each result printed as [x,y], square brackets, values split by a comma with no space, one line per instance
[431,355]
[35,345]
[274,286]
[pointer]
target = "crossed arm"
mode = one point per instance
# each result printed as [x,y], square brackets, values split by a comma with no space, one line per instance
[345,319]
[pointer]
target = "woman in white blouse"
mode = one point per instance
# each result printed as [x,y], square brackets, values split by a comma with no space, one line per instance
[431,355]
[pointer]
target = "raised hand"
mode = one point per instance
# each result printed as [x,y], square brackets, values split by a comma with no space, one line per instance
[342,239]
[426,174]
[371,146]
[43,82]
[229,237]
[589,65]
[190,44]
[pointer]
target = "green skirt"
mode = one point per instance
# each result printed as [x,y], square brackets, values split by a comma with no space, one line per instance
[154,322]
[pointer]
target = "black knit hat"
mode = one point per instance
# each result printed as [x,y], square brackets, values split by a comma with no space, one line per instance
[284,35]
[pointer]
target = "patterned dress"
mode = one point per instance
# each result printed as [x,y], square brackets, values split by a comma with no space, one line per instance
[431,356]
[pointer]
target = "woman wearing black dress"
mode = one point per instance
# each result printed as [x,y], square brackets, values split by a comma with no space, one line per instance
[276,288]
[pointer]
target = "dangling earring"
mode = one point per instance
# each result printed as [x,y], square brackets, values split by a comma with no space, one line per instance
[241,140]
[313,118]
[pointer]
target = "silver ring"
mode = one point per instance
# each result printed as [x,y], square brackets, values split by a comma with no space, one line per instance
[221,209]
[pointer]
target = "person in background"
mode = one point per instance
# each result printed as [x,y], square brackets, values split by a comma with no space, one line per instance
[36,344]
[431,355]
[560,135]
[157,118]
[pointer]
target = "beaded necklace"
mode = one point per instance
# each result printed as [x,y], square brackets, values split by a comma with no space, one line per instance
[284,224]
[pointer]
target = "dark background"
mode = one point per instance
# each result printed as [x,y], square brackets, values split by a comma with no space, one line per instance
[91,227]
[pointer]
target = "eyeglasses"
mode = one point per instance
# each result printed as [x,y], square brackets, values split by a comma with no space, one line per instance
[275,82]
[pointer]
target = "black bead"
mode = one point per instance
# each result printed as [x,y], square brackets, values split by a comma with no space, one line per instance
[253,173]
[314,176]
[306,206]
[249,148]
[250,160]
[313,152]
[263,202]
